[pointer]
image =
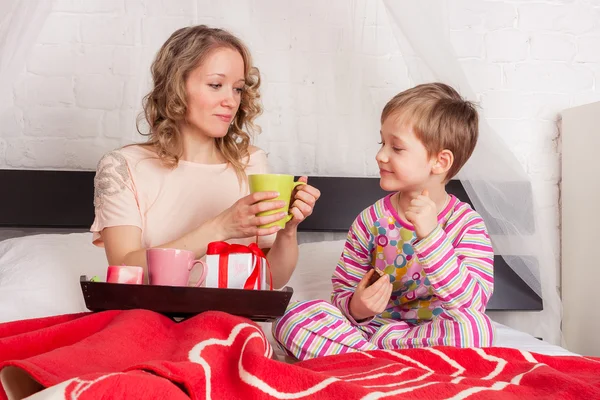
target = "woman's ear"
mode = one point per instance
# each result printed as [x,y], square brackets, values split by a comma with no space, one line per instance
[443,162]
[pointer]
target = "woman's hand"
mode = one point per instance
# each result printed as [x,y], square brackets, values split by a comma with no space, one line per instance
[240,220]
[302,204]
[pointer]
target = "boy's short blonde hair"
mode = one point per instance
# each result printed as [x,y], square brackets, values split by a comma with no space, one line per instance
[440,118]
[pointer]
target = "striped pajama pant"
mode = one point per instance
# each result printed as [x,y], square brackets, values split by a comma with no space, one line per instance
[316,328]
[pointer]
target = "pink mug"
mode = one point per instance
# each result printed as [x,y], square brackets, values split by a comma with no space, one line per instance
[172,267]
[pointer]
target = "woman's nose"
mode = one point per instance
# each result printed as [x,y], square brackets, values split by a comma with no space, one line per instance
[229,100]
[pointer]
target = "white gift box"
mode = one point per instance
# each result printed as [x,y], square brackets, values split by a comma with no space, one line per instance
[239,268]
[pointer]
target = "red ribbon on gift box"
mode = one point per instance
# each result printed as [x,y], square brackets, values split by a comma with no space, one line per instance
[224,249]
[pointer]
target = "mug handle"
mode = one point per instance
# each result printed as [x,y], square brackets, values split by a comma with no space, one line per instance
[290,215]
[204,271]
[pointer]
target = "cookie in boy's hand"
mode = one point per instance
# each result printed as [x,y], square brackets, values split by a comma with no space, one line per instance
[375,276]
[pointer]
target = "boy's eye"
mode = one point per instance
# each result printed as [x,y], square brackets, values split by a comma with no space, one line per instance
[380,142]
[397,149]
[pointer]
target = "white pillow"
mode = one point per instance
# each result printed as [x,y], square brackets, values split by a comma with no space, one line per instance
[39,274]
[316,262]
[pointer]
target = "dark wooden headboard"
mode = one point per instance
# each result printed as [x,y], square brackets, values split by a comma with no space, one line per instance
[64,199]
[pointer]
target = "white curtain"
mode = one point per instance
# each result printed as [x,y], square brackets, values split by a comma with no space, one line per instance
[493,178]
[20,24]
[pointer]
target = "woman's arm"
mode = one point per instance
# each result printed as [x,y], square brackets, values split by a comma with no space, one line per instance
[123,244]
[283,255]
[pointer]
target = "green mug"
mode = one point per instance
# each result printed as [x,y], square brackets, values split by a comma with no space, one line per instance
[283,184]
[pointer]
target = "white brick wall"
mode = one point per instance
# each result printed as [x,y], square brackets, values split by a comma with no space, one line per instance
[553,47]
[328,67]
[525,60]
[507,45]
[589,49]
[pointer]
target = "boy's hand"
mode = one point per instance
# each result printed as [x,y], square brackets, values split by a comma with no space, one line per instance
[422,214]
[368,301]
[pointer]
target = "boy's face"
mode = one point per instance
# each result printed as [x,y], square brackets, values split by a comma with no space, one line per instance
[404,164]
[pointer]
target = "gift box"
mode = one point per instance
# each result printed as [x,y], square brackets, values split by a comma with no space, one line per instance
[236,266]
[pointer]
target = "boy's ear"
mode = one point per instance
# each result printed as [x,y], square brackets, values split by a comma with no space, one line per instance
[443,162]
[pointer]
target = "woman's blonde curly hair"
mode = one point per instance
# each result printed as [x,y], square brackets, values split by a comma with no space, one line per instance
[165,107]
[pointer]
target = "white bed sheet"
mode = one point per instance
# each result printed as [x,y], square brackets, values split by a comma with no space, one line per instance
[512,338]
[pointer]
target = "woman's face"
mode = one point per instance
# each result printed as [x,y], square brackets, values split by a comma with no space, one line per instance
[214,92]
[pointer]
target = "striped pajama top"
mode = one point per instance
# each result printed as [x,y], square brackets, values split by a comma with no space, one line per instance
[452,268]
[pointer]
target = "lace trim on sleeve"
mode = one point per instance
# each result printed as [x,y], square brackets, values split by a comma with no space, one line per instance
[112,177]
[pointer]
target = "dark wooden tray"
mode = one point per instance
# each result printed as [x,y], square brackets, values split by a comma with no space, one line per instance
[183,302]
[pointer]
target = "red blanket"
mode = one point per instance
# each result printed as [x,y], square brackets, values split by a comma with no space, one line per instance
[140,354]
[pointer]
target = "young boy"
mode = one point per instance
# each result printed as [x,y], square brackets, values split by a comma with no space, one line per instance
[430,252]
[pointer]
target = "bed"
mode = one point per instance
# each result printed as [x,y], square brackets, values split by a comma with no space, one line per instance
[39,201]
[50,212]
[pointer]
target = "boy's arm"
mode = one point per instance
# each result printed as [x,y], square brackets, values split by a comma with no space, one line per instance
[354,263]
[462,276]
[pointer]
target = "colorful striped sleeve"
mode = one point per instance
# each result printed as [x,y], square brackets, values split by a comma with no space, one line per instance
[353,265]
[461,274]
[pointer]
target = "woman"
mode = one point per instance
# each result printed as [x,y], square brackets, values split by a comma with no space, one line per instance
[187,186]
